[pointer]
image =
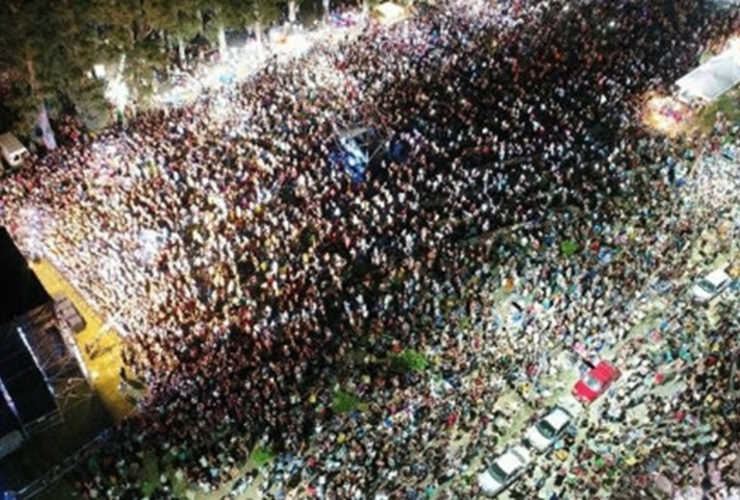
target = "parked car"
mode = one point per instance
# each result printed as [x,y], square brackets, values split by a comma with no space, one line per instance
[12,151]
[595,382]
[710,286]
[548,429]
[504,470]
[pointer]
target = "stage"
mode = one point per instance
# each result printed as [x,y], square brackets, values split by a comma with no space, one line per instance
[105,345]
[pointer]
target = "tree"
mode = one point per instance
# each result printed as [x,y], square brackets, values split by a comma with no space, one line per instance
[178,23]
[189,25]
[57,45]
[88,98]
[240,14]
[344,402]
[293,10]
[409,361]
[220,16]
[130,37]
[77,45]
[262,456]
[118,25]
[55,51]
[145,63]
[24,107]
[261,14]
[20,28]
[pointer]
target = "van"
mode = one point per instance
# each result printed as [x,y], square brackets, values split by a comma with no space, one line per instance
[12,150]
[710,286]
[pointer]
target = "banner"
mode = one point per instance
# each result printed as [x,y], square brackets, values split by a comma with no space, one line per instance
[47,133]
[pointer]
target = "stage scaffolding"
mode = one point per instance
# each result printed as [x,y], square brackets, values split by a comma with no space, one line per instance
[40,367]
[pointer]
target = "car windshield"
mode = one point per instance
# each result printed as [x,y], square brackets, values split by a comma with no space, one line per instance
[497,473]
[518,455]
[592,383]
[706,285]
[547,430]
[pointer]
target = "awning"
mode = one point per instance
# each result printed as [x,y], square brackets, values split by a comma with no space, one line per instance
[712,79]
[389,12]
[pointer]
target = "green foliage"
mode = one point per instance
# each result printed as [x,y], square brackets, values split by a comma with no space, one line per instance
[728,105]
[409,361]
[150,473]
[145,59]
[568,247]
[177,20]
[53,46]
[91,105]
[262,456]
[264,12]
[464,322]
[25,108]
[344,402]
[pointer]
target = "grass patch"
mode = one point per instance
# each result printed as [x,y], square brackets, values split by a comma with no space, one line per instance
[150,474]
[409,361]
[728,105]
[262,456]
[568,247]
[344,402]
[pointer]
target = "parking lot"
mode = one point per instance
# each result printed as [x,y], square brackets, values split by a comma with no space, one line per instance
[615,428]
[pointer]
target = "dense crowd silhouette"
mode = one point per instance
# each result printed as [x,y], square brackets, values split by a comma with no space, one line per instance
[253,277]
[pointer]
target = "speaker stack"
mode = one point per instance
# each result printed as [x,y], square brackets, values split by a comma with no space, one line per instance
[67,312]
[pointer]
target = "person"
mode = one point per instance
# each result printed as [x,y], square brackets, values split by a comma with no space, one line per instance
[254,276]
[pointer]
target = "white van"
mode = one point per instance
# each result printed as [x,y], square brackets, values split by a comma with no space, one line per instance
[710,286]
[12,150]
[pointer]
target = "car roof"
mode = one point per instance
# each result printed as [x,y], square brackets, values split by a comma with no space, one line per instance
[509,461]
[602,371]
[11,143]
[717,276]
[522,451]
[558,417]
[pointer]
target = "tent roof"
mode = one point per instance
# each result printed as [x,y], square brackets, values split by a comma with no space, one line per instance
[391,12]
[22,378]
[713,78]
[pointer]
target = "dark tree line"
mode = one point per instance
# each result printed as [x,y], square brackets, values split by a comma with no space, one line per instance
[48,49]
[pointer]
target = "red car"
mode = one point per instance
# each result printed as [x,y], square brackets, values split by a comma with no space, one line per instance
[595,382]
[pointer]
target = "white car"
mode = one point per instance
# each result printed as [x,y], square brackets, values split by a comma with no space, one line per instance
[546,431]
[710,286]
[504,470]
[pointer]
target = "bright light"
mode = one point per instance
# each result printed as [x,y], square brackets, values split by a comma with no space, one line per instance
[117,93]
[99,71]
[666,115]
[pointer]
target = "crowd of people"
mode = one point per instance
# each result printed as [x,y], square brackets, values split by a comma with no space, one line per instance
[252,277]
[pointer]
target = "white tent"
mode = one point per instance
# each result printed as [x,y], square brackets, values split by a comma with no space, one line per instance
[712,79]
[389,12]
